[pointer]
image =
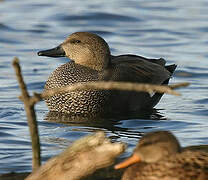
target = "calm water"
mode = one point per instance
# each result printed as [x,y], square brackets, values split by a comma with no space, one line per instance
[174,29]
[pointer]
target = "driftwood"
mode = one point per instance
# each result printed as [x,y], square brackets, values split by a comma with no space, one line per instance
[81,159]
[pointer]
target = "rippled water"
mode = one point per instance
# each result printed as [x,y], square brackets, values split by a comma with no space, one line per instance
[174,29]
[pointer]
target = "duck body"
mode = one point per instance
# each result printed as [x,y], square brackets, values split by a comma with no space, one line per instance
[78,102]
[123,68]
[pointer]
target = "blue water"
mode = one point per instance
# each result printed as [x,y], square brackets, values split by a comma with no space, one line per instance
[176,30]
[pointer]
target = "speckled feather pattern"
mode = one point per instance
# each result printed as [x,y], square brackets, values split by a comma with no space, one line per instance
[188,165]
[97,101]
[79,102]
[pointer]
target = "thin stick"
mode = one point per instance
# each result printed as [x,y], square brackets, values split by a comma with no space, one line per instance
[115,86]
[31,116]
[125,86]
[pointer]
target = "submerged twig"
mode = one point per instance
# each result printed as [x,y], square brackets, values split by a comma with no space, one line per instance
[31,116]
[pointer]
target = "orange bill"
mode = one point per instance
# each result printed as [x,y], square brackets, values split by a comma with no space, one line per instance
[132,160]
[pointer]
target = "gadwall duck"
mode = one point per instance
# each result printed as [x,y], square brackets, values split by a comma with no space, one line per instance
[158,156]
[91,60]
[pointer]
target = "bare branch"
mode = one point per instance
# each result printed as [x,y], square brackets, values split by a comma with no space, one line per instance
[179,85]
[125,86]
[31,116]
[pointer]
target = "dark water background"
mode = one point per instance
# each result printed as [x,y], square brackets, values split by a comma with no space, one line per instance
[174,29]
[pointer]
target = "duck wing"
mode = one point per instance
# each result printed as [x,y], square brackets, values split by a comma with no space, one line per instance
[139,69]
[159,61]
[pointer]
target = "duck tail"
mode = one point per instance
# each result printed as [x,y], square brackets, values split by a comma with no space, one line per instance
[157,96]
[171,68]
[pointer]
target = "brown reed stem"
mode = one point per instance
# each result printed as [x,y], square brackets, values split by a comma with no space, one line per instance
[126,86]
[31,116]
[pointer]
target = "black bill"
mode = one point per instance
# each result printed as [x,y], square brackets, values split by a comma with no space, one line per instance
[55,52]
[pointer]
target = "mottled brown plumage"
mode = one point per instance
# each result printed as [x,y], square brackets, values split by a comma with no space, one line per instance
[160,157]
[91,61]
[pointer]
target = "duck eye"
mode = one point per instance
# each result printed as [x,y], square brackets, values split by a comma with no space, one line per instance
[77,41]
[74,41]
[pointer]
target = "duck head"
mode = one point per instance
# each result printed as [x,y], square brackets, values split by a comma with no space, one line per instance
[153,147]
[83,48]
